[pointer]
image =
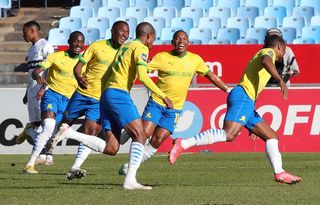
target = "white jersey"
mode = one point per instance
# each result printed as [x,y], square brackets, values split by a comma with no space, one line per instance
[37,53]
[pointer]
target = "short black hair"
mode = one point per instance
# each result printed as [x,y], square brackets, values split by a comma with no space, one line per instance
[115,24]
[272,40]
[144,28]
[75,33]
[176,33]
[32,24]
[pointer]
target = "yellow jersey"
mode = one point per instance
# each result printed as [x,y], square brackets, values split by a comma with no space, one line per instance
[97,59]
[255,77]
[175,74]
[60,76]
[130,62]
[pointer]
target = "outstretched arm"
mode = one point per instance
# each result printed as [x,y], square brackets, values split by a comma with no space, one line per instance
[217,82]
[146,81]
[268,64]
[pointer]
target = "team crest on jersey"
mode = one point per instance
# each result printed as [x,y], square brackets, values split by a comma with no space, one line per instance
[243,118]
[144,57]
[49,106]
[148,115]
[270,53]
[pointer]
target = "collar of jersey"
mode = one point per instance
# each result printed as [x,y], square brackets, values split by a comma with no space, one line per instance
[67,54]
[109,44]
[173,52]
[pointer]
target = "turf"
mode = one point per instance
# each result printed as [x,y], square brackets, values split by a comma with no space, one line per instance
[201,178]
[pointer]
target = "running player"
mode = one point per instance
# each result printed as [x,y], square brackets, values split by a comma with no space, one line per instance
[62,84]
[241,112]
[176,69]
[85,101]
[117,108]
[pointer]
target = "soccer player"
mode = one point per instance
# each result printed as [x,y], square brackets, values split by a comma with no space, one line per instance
[176,69]
[38,52]
[85,100]
[288,66]
[62,84]
[241,112]
[117,108]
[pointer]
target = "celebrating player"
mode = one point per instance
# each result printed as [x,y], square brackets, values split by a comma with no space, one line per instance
[85,101]
[117,108]
[62,84]
[175,71]
[241,112]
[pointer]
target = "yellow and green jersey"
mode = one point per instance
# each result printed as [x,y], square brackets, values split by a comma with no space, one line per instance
[255,77]
[175,74]
[129,63]
[60,76]
[97,59]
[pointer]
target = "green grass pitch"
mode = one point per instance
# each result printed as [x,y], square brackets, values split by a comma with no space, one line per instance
[200,178]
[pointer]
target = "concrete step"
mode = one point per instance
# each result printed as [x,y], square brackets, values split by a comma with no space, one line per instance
[13,78]
[13,67]
[17,36]
[16,46]
[4,31]
[12,57]
[45,25]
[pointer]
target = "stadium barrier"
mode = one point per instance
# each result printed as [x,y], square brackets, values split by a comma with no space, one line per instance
[296,120]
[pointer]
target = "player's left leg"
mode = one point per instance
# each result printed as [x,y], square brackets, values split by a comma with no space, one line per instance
[270,137]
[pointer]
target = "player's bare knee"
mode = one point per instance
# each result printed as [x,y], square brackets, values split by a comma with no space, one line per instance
[111,150]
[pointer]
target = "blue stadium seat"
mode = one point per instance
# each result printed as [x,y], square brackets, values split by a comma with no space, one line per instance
[242,23]
[289,4]
[306,11]
[138,12]
[84,13]
[311,32]
[195,41]
[232,34]
[95,4]
[150,4]
[247,41]
[59,36]
[232,4]
[178,4]
[112,13]
[248,11]
[304,41]
[214,23]
[158,23]
[5,5]
[256,33]
[288,33]
[203,34]
[132,22]
[203,4]
[222,12]
[193,12]
[315,21]
[167,33]
[277,11]
[91,35]
[72,23]
[107,34]
[313,3]
[261,4]
[265,22]
[121,4]
[101,23]
[162,42]
[166,12]
[296,22]
[185,23]
[219,42]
